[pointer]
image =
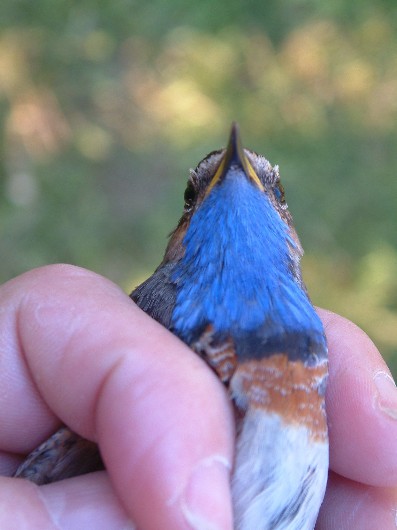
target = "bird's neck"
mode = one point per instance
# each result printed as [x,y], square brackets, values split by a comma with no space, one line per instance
[237,270]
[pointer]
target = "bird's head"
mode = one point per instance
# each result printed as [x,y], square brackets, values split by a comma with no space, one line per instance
[233,167]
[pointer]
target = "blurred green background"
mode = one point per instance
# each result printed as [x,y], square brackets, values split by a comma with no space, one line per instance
[106,105]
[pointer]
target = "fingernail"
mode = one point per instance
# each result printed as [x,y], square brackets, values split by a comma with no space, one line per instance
[206,502]
[387,394]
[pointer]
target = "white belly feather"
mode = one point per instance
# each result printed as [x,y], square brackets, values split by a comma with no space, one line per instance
[280,475]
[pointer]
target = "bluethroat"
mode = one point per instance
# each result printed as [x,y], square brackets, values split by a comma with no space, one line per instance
[230,286]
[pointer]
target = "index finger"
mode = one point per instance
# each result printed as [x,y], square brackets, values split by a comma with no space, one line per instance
[115,376]
[361,406]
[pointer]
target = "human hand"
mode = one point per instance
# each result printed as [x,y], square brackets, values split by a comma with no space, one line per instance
[361,404]
[76,350]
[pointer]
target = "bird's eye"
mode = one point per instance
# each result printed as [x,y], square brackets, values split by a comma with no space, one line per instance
[279,193]
[189,196]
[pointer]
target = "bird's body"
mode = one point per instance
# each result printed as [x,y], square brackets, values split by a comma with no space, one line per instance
[230,287]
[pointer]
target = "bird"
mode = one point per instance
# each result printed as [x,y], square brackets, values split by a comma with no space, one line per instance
[230,286]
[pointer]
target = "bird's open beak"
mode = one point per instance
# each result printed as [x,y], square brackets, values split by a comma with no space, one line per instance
[234,155]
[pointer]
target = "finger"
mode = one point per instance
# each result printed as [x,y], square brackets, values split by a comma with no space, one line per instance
[88,501]
[361,406]
[25,418]
[352,506]
[9,463]
[115,376]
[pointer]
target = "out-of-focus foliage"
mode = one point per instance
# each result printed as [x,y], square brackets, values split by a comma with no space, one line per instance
[105,105]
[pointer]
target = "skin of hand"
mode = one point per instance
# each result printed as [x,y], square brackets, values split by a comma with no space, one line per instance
[76,350]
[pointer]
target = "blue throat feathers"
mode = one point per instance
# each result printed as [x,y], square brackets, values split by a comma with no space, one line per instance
[236,275]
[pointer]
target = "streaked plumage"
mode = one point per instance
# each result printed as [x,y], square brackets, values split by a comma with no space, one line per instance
[230,286]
